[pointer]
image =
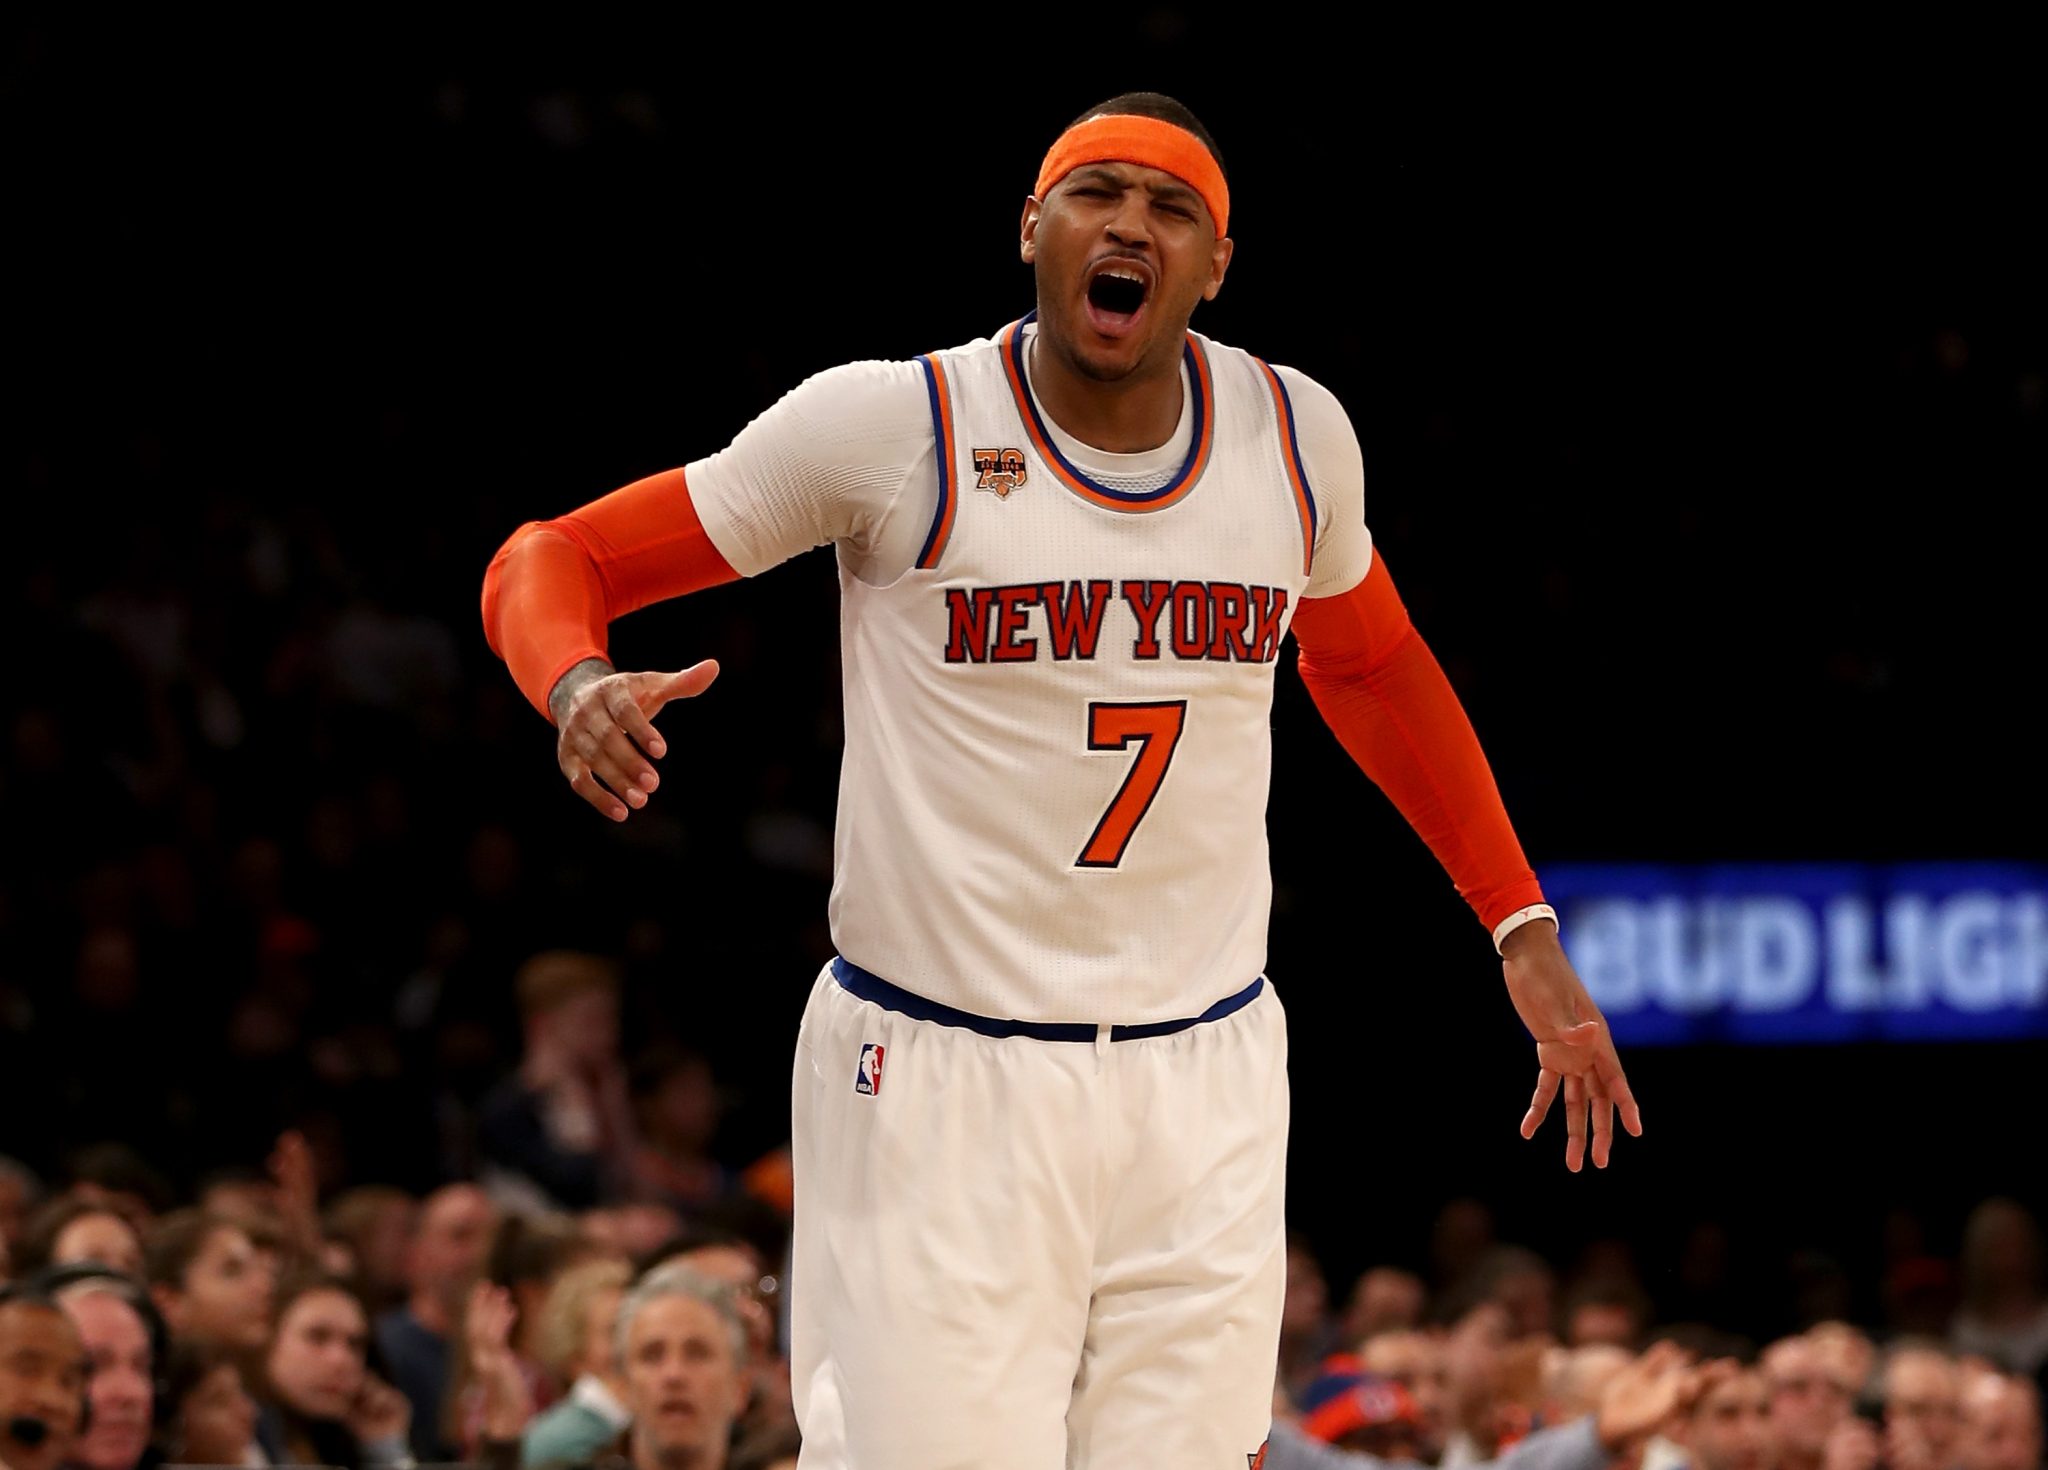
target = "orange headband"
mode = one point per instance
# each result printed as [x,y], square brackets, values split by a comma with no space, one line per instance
[1147,140]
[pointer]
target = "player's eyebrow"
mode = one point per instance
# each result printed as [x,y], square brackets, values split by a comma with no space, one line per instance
[1169,188]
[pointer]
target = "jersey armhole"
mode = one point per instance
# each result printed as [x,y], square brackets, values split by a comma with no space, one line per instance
[1297,471]
[941,399]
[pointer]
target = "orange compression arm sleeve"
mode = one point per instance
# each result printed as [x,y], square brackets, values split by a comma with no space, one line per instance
[1381,690]
[554,587]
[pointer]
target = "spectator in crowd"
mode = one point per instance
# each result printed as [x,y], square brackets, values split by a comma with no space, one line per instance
[1806,1402]
[1305,1338]
[575,1346]
[1352,1409]
[42,1381]
[1415,1361]
[558,1134]
[21,1194]
[115,1175]
[2004,1314]
[447,1254]
[1729,1427]
[1383,1300]
[1524,1286]
[677,1106]
[209,1280]
[735,1263]
[114,1321]
[209,1417]
[1922,1408]
[1474,1368]
[1846,1355]
[376,1222]
[682,1348]
[321,1404]
[526,1256]
[70,1230]
[1611,1312]
[634,1229]
[1649,1391]
[2001,1424]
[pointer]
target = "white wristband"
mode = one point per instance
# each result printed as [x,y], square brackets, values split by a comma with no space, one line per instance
[1517,919]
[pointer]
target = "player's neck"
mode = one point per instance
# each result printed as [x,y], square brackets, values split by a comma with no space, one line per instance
[1128,416]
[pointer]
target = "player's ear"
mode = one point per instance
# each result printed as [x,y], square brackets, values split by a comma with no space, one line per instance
[1027,230]
[1219,263]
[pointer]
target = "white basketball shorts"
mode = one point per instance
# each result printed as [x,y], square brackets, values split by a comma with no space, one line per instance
[1023,1254]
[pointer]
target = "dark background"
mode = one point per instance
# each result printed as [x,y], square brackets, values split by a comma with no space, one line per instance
[1702,381]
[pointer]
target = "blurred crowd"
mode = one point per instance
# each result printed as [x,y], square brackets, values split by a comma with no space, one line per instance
[1502,1364]
[493,1323]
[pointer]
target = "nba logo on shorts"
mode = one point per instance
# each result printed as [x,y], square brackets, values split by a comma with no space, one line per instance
[868,1082]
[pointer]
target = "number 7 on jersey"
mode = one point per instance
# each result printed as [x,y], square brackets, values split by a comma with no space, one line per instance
[1155,730]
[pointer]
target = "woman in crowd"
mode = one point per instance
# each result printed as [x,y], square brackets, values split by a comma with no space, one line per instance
[209,1281]
[210,1418]
[576,1349]
[75,1229]
[322,1405]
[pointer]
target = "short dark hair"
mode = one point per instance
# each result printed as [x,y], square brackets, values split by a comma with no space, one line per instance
[39,1239]
[175,1242]
[1165,109]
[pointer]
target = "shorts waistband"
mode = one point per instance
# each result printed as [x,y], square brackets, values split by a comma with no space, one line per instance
[871,987]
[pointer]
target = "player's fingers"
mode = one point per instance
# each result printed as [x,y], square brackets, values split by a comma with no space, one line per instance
[585,785]
[1583,1033]
[1603,1129]
[1614,1082]
[595,740]
[659,689]
[1539,1105]
[624,768]
[1574,1123]
[635,723]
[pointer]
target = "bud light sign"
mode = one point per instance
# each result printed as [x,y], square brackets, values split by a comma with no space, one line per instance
[1937,952]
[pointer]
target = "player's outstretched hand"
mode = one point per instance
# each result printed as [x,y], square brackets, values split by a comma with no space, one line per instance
[608,742]
[1574,1050]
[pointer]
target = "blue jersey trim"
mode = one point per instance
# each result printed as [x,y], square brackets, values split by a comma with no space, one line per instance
[871,987]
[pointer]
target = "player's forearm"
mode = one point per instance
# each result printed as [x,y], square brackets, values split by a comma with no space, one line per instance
[1384,696]
[544,608]
[554,588]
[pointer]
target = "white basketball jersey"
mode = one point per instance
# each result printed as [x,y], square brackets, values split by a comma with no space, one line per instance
[1058,738]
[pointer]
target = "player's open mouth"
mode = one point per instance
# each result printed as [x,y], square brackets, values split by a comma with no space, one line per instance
[1117,292]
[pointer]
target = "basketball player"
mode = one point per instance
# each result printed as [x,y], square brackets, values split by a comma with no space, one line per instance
[1040,1106]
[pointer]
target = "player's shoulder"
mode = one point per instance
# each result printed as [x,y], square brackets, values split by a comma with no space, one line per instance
[1304,392]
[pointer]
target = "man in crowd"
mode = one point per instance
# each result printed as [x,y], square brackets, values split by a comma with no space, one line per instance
[108,1313]
[1922,1408]
[1415,1361]
[2001,1424]
[1386,1299]
[42,1382]
[559,1133]
[447,1252]
[1729,1427]
[683,1354]
[1806,1402]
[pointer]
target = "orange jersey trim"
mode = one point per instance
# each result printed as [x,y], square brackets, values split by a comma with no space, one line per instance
[1071,475]
[941,397]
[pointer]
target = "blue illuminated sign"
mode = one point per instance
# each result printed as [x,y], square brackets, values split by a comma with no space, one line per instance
[1932,952]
